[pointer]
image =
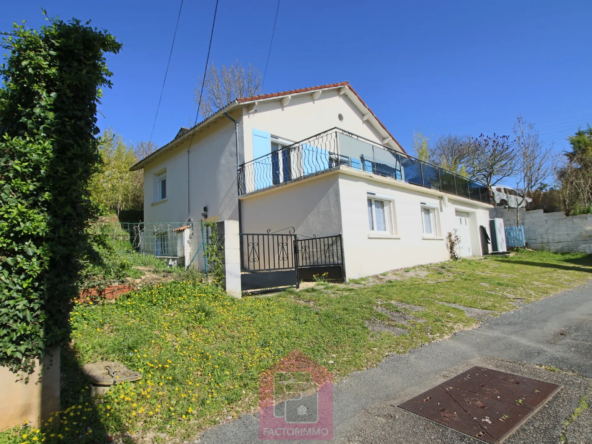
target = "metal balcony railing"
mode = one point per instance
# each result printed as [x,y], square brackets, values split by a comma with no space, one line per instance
[335,148]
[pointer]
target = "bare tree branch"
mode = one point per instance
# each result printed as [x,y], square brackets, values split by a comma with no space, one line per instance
[491,159]
[532,160]
[220,87]
[451,152]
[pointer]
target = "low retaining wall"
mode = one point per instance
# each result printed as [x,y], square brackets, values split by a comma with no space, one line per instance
[551,231]
[34,401]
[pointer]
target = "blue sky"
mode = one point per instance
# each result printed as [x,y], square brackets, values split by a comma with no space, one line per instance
[459,67]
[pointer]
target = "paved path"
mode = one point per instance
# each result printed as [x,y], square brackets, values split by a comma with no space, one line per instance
[365,403]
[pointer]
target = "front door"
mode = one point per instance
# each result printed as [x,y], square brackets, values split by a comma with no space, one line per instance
[464,233]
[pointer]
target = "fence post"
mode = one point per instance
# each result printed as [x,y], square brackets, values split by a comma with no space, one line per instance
[296,258]
[187,245]
[232,258]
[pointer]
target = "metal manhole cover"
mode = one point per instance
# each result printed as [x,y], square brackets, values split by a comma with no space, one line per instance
[482,403]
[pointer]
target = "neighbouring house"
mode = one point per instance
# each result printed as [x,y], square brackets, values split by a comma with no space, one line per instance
[319,162]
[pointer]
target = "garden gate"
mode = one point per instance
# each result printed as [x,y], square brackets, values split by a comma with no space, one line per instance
[515,237]
[271,260]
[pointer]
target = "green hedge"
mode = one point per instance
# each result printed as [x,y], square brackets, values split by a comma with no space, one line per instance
[48,151]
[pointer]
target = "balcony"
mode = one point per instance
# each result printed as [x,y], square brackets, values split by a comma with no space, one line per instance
[337,148]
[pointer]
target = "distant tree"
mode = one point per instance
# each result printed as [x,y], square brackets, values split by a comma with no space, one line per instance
[220,87]
[451,152]
[575,174]
[421,146]
[115,187]
[581,143]
[491,159]
[533,161]
[144,149]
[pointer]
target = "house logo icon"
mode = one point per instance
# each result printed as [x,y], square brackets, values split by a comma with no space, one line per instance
[296,400]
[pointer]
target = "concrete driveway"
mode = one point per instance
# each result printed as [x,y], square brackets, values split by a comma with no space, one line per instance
[555,332]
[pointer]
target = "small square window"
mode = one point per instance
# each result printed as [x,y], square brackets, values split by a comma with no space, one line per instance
[429,218]
[380,216]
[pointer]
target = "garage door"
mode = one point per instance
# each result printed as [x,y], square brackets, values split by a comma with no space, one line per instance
[464,233]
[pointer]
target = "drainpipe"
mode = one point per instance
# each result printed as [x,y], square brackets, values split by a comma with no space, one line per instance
[240,223]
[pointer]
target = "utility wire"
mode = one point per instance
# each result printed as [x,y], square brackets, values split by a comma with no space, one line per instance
[167,70]
[271,43]
[203,83]
[198,108]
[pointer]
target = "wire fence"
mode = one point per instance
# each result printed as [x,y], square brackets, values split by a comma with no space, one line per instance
[160,239]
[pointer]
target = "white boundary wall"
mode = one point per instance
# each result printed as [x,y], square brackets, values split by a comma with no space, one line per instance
[551,231]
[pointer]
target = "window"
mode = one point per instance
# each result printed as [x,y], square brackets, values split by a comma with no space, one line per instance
[429,217]
[379,216]
[161,187]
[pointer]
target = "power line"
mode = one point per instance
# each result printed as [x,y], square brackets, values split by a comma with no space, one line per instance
[167,70]
[198,109]
[561,124]
[271,43]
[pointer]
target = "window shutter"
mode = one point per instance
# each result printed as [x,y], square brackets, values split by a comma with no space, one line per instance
[261,143]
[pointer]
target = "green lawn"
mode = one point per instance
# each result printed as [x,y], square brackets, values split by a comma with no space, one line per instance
[200,352]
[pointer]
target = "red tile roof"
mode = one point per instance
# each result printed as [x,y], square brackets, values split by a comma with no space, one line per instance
[314,88]
[182,133]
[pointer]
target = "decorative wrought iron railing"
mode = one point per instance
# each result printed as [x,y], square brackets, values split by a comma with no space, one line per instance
[267,252]
[335,148]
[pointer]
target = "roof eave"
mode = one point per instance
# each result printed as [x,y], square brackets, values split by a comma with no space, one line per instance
[159,152]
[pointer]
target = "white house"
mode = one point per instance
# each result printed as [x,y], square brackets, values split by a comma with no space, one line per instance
[320,161]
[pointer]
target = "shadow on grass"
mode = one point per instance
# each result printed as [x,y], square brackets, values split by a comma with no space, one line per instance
[78,408]
[559,266]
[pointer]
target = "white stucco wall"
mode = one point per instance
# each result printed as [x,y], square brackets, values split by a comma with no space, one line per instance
[212,177]
[304,117]
[311,207]
[367,255]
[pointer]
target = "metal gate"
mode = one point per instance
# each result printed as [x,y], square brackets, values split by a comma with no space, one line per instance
[320,257]
[273,261]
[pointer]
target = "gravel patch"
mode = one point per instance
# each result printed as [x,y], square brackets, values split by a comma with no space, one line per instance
[395,316]
[408,306]
[378,326]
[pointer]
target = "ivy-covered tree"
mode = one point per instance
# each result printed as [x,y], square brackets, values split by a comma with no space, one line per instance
[52,82]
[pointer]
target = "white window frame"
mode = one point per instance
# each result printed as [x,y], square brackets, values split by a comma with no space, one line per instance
[158,179]
[435,210]
[280,143]
[389,216]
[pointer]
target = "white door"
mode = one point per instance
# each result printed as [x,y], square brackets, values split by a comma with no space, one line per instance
[464,233]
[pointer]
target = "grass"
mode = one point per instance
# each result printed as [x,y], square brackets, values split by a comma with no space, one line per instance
[201,352]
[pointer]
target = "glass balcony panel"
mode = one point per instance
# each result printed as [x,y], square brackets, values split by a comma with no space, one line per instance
[475,190]
[387,163]
[462,186]
[411,171]
[360,154]
[431,177]
[448,182]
